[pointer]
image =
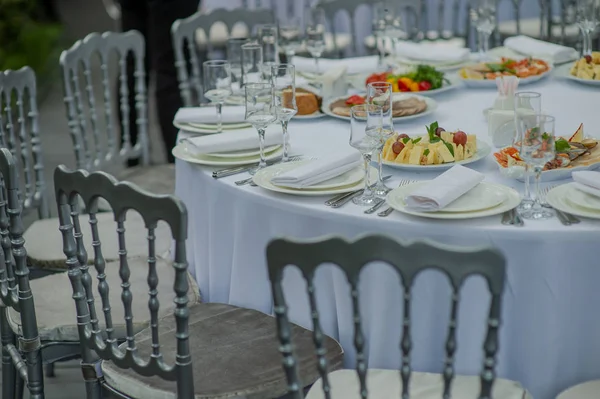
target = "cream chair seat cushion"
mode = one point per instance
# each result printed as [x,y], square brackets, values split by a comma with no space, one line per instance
[587,390]
[385,384]
[531,27]
[55,308]
[234,352]
[45,247]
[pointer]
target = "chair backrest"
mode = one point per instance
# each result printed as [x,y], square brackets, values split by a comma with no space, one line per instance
[183,33]
[408,261]
[95,148]
[71,186]
[15,290]
[19,132]
[458,13]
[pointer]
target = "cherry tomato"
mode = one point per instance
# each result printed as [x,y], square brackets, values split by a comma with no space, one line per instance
[397,147]
[424,86]
[377,77]
[460,138]
[355,100]
[403,86]
[439,130]
[402,136]
[588,58]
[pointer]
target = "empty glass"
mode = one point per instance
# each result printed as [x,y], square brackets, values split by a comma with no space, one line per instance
[483,17]
[290,37]
[365,119]
[260,113]
[537,149]
[394,29]
[283,78]
[378,25]
[234,56]
[315,34]
[380,94]
[525,103]
[587,19]
[217,85]
[267,38]
[252,63]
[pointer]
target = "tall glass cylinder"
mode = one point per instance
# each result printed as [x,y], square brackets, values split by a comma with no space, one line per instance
[252,63]
[381,94]
[267,38]
[525,103]
[283,78]
[234,56]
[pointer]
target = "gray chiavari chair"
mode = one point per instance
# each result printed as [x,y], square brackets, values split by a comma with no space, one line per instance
[106,146]
[21,350]
[194,33]
[232,349]
[408,261]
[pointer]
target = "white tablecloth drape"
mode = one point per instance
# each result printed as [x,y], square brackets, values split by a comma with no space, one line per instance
[550,336]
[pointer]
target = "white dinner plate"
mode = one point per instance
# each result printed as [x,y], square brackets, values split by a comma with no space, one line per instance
[518,172]
[431,106]
[244,153]
[440,66]
[453,83]
[180,151]
[558,199]
[315,115]
[235,100]
[589,82]
[491,83]
[583,199]
[395,199]
[349,178]
[483,150]
[209,128]
[263,179]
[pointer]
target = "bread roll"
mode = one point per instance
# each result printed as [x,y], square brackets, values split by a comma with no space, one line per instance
[306,102]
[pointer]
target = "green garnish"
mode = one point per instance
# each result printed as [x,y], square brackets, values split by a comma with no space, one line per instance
[561,145]
[426,73]
[431,131]
[426,152]
[405,140]
[503,67]
[450,148]
[545,136]
[415,141]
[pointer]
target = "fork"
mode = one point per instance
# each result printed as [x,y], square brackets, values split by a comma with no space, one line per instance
[565,218]
[389,210]
[234,170]
[379,203]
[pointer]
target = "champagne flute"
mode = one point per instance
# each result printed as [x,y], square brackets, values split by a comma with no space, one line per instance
[380,94]
[267,38]
[252,63]
[394,29]
[587,19]
[260,113]
[290,37]
[525,103]
[378,25]
[283,78]
[315,35]
[537,149]
[234,56]
[483,16]
[365,119]
[217,85]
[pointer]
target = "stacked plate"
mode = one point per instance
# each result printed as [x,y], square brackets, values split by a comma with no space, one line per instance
[344,183]
[486,199]
[569,199]
[205,128]
[231,158]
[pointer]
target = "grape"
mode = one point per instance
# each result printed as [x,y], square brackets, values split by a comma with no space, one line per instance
[397,147]
[460,138]
[402,136]
[588,58]
[439,130]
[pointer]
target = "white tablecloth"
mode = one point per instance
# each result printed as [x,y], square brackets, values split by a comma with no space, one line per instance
[550,337]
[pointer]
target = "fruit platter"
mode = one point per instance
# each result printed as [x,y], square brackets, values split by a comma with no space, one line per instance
[438,149]
[528,70]
[572,154]
[587,69]
[422,79]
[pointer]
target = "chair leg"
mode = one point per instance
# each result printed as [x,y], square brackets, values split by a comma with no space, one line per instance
[50,373]
[19,388]
[9,372]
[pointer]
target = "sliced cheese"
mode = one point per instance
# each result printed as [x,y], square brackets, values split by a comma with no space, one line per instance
[415,155]
[431,157]
[445,154]
[446,136]
[459,153]
[470,150]
[471,138]
[403,154]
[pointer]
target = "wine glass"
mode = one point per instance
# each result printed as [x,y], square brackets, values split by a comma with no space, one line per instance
[217,85]
[483,17]
[267,38]
[252,63]
[394,28]
[290,37]
[315,35]
[234,56]
[378,25]
[525,103]
[537,149]
[380,94]
[260,113]
[587,18]
[283,78]
[365,119]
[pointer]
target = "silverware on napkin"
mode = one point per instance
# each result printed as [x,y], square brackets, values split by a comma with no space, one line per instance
[565,218]
[352,194]
[380,203]
[234,170]
[389,210]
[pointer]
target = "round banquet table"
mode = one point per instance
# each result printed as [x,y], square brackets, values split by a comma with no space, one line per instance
[550,334]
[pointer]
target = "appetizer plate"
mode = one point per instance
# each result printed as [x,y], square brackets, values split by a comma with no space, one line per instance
[440,66]
[483,150]
[583,200]
[350,178]
[263,179]
[315,115]
[512,199]
[180,151]
[589,82]
[559,196]
[243,153]
[518,172]
[358,83]
[431,106]
[491,83]
[201,128]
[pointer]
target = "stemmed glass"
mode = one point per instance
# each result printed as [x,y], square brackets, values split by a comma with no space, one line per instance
[394,29]
[380,94]
[378,26]
[483,16]
[252,63]
[260,113]
[234,56]
[290,37]
[587,19]
[267,38]
[365,119]
[283,79]
[315,34]
[217,85]
[525,103]
[537,150]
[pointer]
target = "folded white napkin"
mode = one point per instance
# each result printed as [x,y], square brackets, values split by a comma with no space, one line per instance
[444,189]
[318,171]
[246,139]
[432,53]
[231,114]
[538,48]
[355,65]
[587,181]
